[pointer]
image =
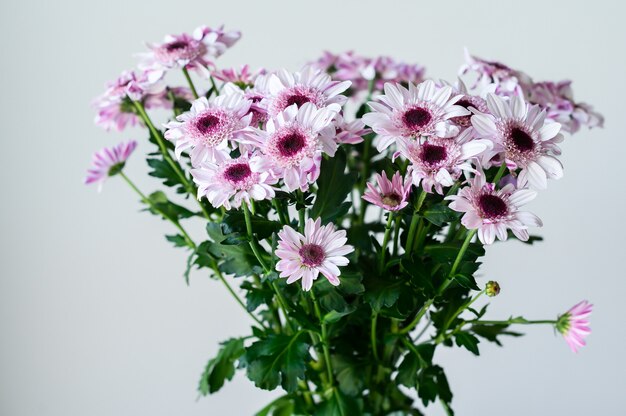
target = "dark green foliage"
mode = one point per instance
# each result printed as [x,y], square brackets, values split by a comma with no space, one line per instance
[333,186]
[222,367]
[467,340]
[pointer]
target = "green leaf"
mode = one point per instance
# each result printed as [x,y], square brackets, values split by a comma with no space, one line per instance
[447,252]
[467,340]
[238,259]
[440,214]
[167,208]
[466,281]
[419,358]
[492,332]
[333,186]
[334,316]
[283,406]
[382,293]
[433,383]
[277,359]
[177,239]
[235,222]
[338,405]
[351,373]
[162,170]
[222,367]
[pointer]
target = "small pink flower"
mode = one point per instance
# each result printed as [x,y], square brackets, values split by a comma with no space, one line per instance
[391,195]
[320,250]
[507,81]
[493,211]
[232,181]
[350,132]
[240,76]
[208,127]
[422,110]
[574,325]
[109,162]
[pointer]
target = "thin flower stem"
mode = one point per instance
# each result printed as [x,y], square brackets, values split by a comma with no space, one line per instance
[191,243]
[213,85]
[279,210]
[373,336]
[443,286]
[383,251]
[414,222]
[396,235]
[172,98]
[253,243]
[190,82]
[456,313]
[329,366]
[191,189]
[500,173]
[367,145]
[513,321]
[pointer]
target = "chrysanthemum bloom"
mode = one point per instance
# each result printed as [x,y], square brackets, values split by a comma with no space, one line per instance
[294,143]
[241,76]
[508,82]
[422,110]
[255,94]
[208,126]
[308,86]
[574,325]
[233,181]
[437,162]
[115,108]
[320,250]
[109,162]
[391,195]
[557,98]
[194,52]
[492,211]
[470,100]
[520,133]
[349,132]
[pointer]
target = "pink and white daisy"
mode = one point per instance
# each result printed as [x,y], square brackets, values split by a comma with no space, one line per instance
[437,162]
[493,211]
[255,94]
[208,126]
[574,325]
[422,110]
[109,162]
[522,136]
[294,144]
[233,181]
[308,86]
[322,249]
[241,76]
[391,195]
[349,132]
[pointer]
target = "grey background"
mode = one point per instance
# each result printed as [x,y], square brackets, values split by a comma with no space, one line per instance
[95,318]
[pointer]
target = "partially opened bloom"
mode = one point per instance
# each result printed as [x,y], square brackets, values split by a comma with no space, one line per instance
[574,325]
[109,162]
[233,181]
[294,143]
[507,81]
[349,132]
[307,86]
[322,249]
[437,162]
[391,195]
[524,139]
[492,211]
[208,126]
[422,110]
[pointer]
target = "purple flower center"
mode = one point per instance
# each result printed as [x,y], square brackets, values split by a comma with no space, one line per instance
[522,140]
[466,104]
[492,206]
[176,45]
[206,123]
[238,172]
[392,199]
[298,99]
[312,255]
[432,154]
[291,144]
[416,117]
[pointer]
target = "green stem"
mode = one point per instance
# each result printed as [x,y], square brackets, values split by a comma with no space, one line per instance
[460,309]
[499,174]
[329,366]
[410,240]
[373,336]
[383,251]
[279,210]
[367,146]
[214,86]
[253,243]
[190,82]
[396,235]
[172,98]
[513,321]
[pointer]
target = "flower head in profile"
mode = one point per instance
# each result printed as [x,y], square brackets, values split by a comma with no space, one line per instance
[391,195]
[506,81]
[322,249]
[422,110]
[109,162]
[232,181]
[521,135]
[492,211]
[294,143]
[205,130]
[308,86]
[438,163]
[574,325]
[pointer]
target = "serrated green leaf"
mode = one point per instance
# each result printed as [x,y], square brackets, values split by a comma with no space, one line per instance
[440,214]
[466,281]
[338,404]
[222,367]
[467,340]
[333,186]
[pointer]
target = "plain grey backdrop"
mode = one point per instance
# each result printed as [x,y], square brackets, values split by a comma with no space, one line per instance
[95,318]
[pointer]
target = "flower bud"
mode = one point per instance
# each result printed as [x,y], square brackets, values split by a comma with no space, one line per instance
[492,288]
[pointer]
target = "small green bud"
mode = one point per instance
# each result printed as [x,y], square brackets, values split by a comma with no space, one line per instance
[492,288]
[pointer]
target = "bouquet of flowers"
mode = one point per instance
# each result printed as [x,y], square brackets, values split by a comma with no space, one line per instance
[349,202]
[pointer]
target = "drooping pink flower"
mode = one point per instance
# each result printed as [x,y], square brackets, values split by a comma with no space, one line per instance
[391,195]
[422,110]
[109,162]
[492,211]
[521,135]
[322,249]
[574,325]
[208,126]
[437,162]
[307,86]
[294,143]
[233,181]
